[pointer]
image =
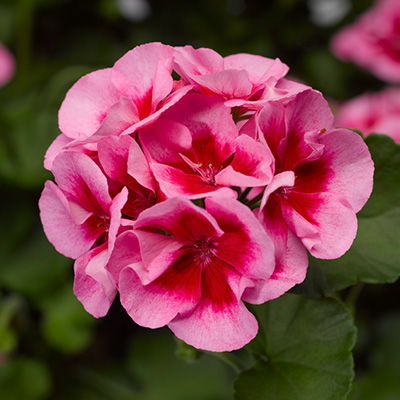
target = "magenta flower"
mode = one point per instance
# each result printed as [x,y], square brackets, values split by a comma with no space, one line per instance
[373,41]
[193,270]
[373,113]
[7,65]
[323,176]
[195,150]
[81,220]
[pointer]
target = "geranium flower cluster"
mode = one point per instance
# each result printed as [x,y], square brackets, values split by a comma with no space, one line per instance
[192,183]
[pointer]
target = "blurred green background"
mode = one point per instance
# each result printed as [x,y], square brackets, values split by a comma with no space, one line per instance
[50,348]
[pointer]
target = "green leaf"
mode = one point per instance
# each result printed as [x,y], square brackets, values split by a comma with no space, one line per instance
[24,378]
[304,348]
[375,254]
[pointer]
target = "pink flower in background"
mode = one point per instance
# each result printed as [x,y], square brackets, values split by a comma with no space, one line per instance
[192,196]
[373,41]
[323,176]
[193,270]
[377,112]
[7,65]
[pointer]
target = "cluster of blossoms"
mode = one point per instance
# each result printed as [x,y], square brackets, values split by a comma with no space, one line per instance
[192,183]
[373,41]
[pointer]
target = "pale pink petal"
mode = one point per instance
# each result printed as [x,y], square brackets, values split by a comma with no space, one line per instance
[92,285]
[115,213]
[86,104]
[158,252]
[228,84]
[121,116]
[325,222]
[157,303]
[259,68]
[351,166]
[113,153]
[139,168]
[67,237]
[78,175]
[271,125]
[192,62]
[58,145]
[143,61]
[309,112]
[125,253]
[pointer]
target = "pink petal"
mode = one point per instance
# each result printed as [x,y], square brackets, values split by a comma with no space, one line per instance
[351,166]
[180,218]
[228,84]
[126,253]
[121,116]
[308,112]
[60,142]
[252,165]
[245,244]
[325,222]
[92,285]
[270,122]
[143,61]
[259,68]
[87,103]
[156,304]
[192,62]
[78,175]
[67,237]
[291,259]
[215,328]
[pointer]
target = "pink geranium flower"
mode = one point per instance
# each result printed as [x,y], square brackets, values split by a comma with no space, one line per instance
[373,41]
[196,150]
[377,112]
[7,65]
[323,176]
[192,272]
[81,220]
